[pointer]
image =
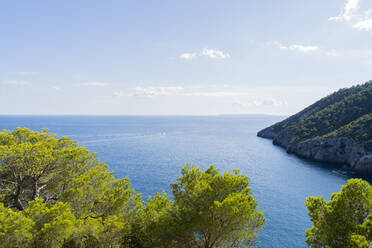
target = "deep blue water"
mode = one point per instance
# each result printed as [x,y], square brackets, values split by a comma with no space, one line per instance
[152,150]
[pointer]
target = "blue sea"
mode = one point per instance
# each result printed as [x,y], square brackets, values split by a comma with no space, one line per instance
[152,150]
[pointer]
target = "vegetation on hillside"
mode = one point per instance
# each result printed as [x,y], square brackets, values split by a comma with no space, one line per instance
[56,194]
[345,112]
[318,106]
[359,130]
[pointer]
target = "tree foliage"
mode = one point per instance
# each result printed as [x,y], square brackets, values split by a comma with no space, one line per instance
[215,210]
[56,194]
[345,220]
[209,210]
[37,164]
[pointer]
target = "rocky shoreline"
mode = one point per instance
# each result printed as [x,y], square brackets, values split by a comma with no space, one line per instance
[341,150]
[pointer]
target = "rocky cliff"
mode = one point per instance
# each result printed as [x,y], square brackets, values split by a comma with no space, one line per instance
[336,129]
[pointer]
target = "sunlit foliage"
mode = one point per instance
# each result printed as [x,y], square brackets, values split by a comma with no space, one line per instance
[55,194]
[344,221]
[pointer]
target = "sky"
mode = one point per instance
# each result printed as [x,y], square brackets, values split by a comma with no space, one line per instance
[167,57]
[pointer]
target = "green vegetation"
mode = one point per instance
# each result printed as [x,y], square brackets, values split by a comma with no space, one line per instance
[56,194]
[343,222]
[346,112]
[336,115]
[359,130]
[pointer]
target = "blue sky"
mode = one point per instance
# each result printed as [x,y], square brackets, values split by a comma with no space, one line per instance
[179,57]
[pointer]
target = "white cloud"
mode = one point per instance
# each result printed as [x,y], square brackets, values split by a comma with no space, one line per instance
[213,93]
[210,53]
[215,54]
[364,25]
[300,48]
[188,56]
[95,84]
[348,12]
[361,20]
[270,102]
[18,83]
[174,91]
[156,91]
[295,47]
[121,94]
[150,91]
[240,105]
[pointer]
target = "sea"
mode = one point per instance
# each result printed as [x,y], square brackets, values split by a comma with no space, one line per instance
[152,150]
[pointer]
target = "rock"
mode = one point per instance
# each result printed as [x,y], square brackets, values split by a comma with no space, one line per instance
[363,165]
[267,133]
[341,150]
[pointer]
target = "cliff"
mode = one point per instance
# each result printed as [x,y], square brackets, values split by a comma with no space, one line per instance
[337,129]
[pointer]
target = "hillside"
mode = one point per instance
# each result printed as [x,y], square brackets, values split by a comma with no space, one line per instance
[337,128]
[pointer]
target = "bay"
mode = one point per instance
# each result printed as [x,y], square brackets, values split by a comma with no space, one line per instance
[151,150]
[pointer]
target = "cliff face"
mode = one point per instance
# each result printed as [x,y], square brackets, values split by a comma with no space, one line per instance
[342,150]
[336,129]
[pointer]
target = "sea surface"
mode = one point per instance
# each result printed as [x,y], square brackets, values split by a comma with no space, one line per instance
[152,150]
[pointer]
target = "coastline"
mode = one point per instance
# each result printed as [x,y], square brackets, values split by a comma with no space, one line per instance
[344,151]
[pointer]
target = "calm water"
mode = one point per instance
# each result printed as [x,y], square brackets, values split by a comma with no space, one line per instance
[152,150]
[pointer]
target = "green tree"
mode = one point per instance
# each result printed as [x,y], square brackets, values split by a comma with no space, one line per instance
[58,195]
[64,195]
[15,228]
[97,193]
[214,210]
[37,164]
[345,220]
[53,223]
[105,206]
[154,225]
[41,225]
